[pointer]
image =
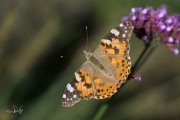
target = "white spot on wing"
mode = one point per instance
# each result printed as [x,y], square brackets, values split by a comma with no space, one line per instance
[121,25]
[69,88]
[64,95]
[74,96]
[115,32]
[123,35]
[106,41]
[78,78]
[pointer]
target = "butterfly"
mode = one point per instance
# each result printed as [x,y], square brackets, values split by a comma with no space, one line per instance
[104,70]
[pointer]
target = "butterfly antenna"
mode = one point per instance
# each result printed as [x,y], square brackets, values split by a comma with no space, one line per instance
[62,56]
[87,38]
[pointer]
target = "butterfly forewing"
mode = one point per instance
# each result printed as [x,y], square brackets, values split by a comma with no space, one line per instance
[79,87]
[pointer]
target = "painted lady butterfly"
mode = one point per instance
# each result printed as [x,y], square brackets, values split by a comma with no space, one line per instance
[105,69]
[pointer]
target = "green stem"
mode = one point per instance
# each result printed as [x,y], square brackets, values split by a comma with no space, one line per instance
[136,65]
[101,112]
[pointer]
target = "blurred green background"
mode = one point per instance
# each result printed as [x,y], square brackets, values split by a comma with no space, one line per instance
[33,36]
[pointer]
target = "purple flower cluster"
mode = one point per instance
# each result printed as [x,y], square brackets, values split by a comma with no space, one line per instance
[150,24]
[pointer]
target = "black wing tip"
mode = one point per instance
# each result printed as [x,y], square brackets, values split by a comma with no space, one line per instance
[69,103]
[68,100]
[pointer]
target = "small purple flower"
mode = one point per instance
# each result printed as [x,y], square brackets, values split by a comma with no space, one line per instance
[150,24]
[137,77]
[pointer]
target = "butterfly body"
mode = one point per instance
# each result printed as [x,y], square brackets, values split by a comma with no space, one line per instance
[99,64]
[105,69]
